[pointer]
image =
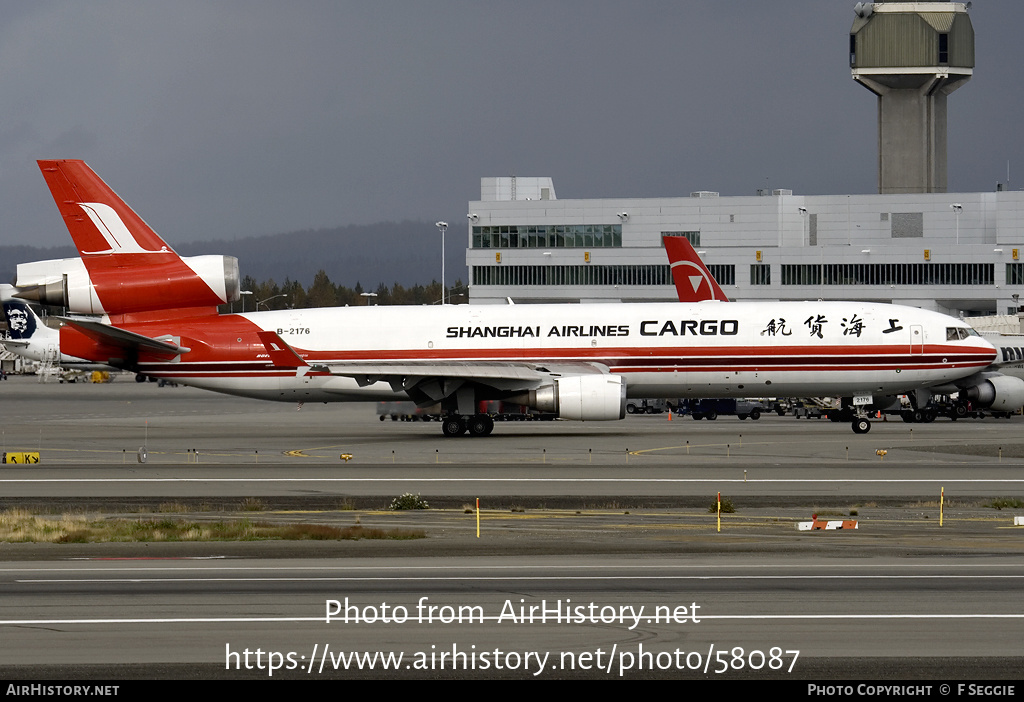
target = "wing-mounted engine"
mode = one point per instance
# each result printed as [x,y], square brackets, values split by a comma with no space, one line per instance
[162,285]
[996,391]
[595,397]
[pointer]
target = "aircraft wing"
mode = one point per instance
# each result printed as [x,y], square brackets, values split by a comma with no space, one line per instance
[520,375]
[513,376]
[367,373]
[523,375]
[430,382]
[122,338]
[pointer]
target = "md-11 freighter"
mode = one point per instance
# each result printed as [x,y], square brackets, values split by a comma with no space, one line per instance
[578,361]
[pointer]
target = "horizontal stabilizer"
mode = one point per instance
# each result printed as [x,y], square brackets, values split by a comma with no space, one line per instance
[281,354]
[122,338]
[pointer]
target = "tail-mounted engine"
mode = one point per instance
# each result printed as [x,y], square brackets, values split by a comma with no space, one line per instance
[66,283]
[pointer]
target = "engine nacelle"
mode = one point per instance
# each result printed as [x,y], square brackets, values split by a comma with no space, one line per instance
[66,283]
[62,282]
[999,392]
[586,398]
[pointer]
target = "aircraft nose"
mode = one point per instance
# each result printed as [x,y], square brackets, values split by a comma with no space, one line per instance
[987,347]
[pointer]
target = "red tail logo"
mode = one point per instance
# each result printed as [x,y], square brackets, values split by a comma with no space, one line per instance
[132,271]
[693,280]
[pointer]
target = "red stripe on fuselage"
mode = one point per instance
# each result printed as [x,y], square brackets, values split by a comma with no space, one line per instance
[231,343]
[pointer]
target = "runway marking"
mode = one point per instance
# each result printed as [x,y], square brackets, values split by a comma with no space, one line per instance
[517,567]
[153,558]
[516,578]
[496,618]
[739,444]
[739,447]
[827,481]
[244,457]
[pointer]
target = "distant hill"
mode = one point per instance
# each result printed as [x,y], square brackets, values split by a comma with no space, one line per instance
[11,256]
[405,252]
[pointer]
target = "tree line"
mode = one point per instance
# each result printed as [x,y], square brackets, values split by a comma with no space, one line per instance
[269,295]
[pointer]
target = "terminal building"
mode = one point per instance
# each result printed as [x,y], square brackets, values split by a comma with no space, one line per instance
[957,253]
[912,243]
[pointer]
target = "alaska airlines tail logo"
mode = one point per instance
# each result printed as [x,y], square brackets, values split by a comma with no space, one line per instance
[113,229]
[21,323]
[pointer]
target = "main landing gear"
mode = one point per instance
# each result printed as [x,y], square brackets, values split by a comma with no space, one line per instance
[475,425]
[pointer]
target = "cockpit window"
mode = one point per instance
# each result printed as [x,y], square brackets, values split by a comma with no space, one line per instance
[958,333]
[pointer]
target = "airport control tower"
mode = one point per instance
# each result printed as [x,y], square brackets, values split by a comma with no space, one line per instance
[912,55]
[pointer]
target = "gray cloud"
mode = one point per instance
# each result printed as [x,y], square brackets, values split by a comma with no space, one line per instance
[219,120]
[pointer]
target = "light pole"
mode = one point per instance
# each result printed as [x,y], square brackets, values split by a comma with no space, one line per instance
[443,226]
[957,209]
[266,300]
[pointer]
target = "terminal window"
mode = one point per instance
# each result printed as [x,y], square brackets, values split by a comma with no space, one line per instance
[890,274]
[760,274]
[692,237]
[1015,274]
[551,236]
[573,275]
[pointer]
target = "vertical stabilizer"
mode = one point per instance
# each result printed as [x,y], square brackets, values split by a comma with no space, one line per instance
[132,271]
[693,280]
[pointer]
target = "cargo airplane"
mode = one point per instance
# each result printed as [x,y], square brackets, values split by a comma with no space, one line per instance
[999,387]
[159,317]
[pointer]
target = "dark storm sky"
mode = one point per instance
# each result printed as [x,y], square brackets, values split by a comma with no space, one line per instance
[234,118]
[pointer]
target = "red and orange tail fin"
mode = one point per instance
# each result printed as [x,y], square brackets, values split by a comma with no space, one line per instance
[99,221]
[132,270]
[694,282]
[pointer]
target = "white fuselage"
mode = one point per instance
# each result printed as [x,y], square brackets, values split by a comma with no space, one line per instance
[661,350]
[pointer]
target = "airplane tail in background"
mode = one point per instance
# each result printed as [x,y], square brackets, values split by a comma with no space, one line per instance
[693,280]
[27,335]
[131,270]
[22,322]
